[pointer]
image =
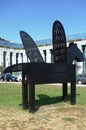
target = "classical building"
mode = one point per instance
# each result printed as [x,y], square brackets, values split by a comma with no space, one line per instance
[11,53]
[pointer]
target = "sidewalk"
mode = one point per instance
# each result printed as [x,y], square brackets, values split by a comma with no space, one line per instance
[60,84]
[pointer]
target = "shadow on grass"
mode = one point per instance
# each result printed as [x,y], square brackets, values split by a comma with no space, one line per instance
[46,100]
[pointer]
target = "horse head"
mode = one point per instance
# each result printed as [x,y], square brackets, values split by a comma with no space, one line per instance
[74,53]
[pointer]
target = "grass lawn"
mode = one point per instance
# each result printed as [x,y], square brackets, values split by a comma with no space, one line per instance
[11,95]
[53,113]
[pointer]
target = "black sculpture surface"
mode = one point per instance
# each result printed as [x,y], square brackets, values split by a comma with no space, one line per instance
[74,53]
[59,43]
[38,72]
[31,48]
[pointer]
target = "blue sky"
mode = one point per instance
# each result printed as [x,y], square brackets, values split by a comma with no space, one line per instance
[37,16]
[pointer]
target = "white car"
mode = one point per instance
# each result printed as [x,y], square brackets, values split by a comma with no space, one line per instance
[19,78]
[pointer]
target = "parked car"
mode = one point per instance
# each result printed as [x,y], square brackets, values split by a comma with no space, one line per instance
[8,77]
[81,79]
[19,78]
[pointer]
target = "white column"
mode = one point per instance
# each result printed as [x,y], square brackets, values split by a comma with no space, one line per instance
[48,56]
[24,58]
[8,54]
[1,58]
[19,58]
[14,58]
[7,59]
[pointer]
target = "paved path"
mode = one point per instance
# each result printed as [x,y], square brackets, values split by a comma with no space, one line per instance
[77,85]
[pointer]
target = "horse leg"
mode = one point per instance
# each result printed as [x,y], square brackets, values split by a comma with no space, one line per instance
[64,92]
